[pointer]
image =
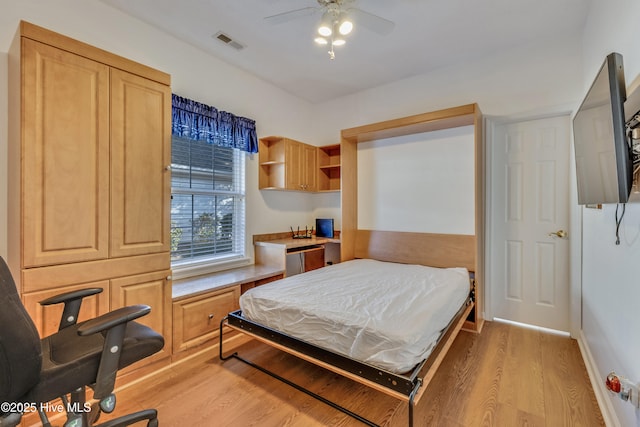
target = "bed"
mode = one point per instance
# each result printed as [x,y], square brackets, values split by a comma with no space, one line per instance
[384,324]
[408,377]
[388,315]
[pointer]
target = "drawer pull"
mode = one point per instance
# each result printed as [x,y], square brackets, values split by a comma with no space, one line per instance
[210,316]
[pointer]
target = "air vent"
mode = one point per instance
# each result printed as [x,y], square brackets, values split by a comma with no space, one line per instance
[226,39]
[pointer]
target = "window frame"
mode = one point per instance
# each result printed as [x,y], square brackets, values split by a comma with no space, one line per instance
[191,266]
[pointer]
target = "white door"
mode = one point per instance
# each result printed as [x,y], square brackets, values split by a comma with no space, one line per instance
[529,253]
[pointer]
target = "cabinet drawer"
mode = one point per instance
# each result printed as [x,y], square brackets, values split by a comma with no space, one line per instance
[197,319]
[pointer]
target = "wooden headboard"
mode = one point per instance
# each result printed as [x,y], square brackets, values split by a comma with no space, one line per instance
[435,250]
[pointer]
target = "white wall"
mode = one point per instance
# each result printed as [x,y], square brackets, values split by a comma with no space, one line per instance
[194,75]
[611,287]
[529,80]
[421,183]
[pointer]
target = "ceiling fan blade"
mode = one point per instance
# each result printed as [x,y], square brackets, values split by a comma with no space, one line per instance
[373,22]
[281,18]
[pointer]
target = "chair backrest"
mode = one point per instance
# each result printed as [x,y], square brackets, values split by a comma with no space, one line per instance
[20,349]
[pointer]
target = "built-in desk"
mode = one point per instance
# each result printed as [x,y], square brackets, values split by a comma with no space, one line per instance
[277,252]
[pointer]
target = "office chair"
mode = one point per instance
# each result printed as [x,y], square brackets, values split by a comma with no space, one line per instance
[34,371]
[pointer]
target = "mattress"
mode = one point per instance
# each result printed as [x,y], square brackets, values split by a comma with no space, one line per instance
[385,314]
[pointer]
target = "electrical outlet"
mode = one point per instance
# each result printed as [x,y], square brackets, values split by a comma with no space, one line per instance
[629,392]
[626,389]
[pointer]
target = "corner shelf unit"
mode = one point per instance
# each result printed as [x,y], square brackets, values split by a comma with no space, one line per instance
[329,168]
[286,164]
[271,158]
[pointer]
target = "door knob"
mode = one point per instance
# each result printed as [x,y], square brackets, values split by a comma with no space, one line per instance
[560,233]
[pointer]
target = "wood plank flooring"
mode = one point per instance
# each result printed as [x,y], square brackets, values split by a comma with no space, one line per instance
[505,376]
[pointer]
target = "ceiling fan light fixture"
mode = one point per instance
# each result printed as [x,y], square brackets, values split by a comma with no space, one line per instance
[325,27]
[336,21]
[325,31]
[345,25]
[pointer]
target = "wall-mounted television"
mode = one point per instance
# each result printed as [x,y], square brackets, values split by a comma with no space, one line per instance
[603,157]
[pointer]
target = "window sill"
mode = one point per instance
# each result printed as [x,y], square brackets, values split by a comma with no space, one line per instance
[213,282]
[205,267]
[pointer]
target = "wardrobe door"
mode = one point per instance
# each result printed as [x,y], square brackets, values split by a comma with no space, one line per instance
[140,174]
[65,156]
[152,289]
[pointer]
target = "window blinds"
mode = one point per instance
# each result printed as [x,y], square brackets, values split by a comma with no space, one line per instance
[208,201]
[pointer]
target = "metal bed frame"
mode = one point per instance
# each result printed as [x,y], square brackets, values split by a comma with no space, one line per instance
[402,386]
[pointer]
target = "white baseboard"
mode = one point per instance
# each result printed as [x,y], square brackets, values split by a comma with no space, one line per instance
[597,383]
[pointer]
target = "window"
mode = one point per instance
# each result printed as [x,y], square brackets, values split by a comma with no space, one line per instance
[207,203]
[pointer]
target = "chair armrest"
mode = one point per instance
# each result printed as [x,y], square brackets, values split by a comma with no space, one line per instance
[112,319]
[72,302]
[70,296]
[112,326]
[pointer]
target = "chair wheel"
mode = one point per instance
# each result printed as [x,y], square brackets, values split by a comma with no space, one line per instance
[74,420]
[108,404]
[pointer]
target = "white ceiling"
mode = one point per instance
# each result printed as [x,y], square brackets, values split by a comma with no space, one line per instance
[428,34]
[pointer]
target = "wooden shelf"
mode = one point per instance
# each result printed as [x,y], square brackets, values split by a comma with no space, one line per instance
[329,167]
[271,159]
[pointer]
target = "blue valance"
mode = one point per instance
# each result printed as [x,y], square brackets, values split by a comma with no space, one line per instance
[197,121]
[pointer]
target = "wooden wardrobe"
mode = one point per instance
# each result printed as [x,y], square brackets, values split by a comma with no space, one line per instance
[89,183]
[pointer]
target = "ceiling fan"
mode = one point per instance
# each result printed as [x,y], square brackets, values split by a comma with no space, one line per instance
[337,21]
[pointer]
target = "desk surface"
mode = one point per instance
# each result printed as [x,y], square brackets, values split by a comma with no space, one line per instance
[291,243]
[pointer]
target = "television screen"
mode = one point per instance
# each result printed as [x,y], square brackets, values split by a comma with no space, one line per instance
[603,160]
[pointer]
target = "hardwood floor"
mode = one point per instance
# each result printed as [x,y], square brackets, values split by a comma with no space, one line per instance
[505,376]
